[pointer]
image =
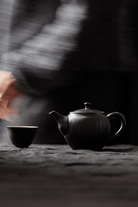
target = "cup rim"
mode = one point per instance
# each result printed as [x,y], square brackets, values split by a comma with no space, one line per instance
[22,127]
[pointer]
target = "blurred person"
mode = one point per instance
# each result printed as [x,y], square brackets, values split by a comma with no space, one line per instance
[42,36]
[60,53]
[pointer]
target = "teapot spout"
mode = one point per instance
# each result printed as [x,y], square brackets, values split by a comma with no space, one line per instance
[62,122]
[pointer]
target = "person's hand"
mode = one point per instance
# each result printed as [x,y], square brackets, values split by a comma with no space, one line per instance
[8,92]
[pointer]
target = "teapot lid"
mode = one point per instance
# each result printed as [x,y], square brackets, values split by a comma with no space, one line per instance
[87,110]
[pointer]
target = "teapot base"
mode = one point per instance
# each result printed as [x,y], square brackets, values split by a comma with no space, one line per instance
[94,147]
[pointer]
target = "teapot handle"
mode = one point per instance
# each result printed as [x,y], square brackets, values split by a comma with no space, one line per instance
[123,122]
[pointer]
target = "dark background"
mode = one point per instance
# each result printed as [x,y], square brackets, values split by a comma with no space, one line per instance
[106,61]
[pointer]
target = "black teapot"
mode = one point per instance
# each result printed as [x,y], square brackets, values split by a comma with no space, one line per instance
[87,128]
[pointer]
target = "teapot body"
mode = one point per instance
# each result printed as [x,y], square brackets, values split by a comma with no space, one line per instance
[88,129]
[88,132]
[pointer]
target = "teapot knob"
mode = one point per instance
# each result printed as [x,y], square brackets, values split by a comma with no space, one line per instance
[87,105]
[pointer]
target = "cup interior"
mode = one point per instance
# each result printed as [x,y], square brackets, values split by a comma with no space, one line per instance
[22,126]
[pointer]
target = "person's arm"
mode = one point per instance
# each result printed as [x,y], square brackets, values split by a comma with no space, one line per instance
[39,65]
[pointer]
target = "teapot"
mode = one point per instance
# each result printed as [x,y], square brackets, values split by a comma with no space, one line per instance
[88,128]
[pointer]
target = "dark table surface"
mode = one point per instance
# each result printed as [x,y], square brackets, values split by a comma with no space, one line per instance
[56,175]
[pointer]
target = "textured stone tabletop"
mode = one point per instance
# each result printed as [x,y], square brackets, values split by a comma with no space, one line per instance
[56,175]
[62,160]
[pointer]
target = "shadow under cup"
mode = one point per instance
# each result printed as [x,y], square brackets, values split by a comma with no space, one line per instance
[22,136]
